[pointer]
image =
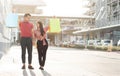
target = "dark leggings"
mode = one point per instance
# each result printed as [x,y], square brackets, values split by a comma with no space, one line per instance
[42,49]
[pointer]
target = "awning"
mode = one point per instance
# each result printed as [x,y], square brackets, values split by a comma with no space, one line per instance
[97,29]
[52,16]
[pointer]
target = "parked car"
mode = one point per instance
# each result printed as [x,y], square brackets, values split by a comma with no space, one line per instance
[91,42]
[118,44]
[106,42]
[81,42]
[77,42]
[97,43]
[65,43]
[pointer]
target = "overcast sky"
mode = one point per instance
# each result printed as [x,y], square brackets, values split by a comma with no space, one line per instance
[65,7]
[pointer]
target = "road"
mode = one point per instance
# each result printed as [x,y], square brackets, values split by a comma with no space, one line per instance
[63,62]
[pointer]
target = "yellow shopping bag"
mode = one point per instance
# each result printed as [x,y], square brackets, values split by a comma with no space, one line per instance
[54,25]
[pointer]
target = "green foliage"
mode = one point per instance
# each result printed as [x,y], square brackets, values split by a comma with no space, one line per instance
[91,47]
[102,48]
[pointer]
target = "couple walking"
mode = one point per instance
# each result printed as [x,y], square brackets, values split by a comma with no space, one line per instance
[27,33]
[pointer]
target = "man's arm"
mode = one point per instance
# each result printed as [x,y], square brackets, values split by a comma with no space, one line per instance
[32,31]
[19,25]
[33,35]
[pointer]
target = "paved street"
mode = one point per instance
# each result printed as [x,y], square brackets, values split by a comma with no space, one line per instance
[63,62]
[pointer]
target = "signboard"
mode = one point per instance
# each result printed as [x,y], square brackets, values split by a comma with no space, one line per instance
[12,20]
[55,25]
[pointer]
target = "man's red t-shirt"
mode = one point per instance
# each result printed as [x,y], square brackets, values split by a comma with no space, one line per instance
[26,29]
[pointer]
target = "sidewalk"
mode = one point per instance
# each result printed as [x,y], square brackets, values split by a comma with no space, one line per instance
[63,62]
[10,65]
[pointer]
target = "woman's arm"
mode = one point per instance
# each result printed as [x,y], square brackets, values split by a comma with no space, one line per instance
[46,28]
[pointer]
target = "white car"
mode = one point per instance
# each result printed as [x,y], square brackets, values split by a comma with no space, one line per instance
[106,42]
[118,44]
[91,42]
[97,43]
[65,43]
[81,42]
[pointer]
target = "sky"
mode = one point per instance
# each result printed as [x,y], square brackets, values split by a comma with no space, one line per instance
[65,7]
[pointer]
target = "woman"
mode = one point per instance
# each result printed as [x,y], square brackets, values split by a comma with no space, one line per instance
[42,44]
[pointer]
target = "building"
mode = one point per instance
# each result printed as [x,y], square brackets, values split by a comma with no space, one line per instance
[108,15]
[91,6]
[107,12]
[107,21]
[5,32]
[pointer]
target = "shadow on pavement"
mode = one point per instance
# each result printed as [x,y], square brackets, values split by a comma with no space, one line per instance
[32,73]
[118,52]
[45,73]
[1,54]
[25,73]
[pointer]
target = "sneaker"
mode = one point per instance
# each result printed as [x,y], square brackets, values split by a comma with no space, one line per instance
[41,68]
[23,67]
[30,67]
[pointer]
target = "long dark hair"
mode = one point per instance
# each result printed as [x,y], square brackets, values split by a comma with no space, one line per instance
[41,28]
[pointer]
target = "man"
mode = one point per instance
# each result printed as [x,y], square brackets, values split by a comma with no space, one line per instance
[26,39]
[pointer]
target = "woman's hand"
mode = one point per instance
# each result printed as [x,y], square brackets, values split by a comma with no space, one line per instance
[42,38]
